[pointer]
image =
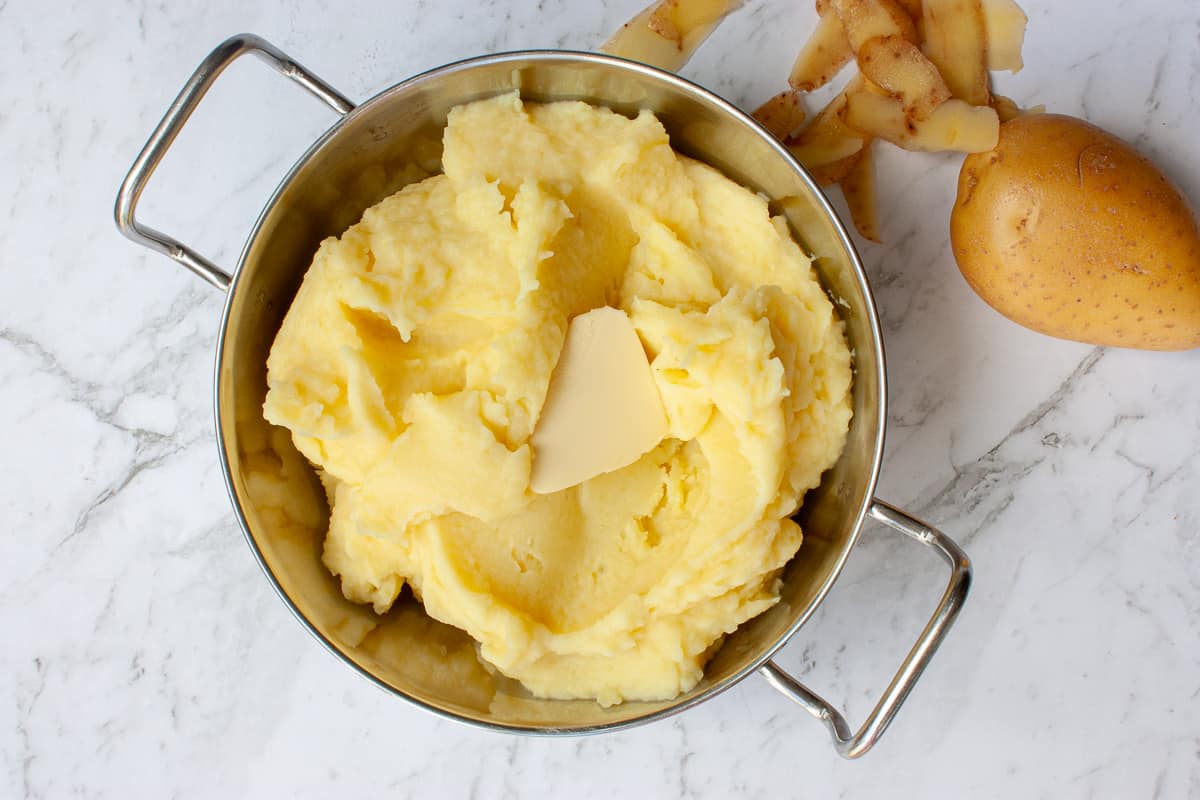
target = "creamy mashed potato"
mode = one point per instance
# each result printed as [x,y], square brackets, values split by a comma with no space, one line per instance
[414,362]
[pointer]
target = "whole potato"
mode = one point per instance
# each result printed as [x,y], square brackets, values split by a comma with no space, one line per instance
[1067,230]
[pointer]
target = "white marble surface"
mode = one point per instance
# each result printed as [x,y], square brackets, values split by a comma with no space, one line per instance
[144,655]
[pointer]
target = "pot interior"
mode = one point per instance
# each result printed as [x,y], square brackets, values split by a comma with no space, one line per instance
[395,139]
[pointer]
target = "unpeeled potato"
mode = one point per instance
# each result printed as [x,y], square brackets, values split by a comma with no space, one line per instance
[1066,229]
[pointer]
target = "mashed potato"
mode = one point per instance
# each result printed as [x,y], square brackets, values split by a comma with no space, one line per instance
[414,362]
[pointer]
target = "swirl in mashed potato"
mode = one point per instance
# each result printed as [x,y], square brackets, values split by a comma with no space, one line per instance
[413,364]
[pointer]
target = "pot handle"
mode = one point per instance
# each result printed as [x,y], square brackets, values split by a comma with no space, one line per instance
[853,745]
[172,123]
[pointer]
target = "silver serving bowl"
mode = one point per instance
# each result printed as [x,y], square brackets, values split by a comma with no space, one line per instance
[395,138]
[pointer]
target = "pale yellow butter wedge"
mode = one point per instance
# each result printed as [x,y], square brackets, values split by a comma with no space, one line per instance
[602,411]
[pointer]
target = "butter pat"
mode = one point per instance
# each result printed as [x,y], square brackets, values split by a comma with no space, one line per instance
[602,411]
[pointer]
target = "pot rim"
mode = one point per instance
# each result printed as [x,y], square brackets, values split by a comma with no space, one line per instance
[684,86]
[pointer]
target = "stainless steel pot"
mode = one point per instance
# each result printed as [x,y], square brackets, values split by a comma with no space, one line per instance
[394,138]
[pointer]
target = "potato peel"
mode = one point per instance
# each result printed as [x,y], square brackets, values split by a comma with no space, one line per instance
[782,114]
[953,125]
[1004,22]
[956,42]
[858,187]
[826,138]
[823,55]
[665,34]
[898,66]
[834,171]
[922,84]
